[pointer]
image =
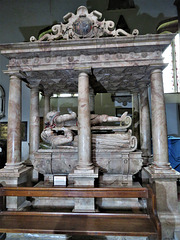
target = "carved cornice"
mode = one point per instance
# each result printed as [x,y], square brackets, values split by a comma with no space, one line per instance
[83,25]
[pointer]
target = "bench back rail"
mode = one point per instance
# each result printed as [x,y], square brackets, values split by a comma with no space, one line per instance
[81,223]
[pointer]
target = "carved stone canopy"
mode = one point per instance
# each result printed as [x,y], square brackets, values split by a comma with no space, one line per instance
[114,63]
[83,25]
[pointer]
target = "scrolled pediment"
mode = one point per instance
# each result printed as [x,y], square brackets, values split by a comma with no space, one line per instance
[83,25]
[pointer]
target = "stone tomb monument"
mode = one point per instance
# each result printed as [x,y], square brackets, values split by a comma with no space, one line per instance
[88,56]
[79,147]
[113,149]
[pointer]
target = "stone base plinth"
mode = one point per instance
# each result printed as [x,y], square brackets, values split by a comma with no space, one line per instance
[164,183]
[127,204]
[83,177]
[170,223]
[115,180]
[84,205]
[15,177]
[121,204]
[164,172]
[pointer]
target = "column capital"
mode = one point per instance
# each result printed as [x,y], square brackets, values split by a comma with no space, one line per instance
[14,77]
[83,71]
[83,74]
[163,174]
[46,94]
[34,87]
[158,70]
[18,74]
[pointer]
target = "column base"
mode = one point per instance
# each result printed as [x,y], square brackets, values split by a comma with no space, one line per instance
[15,177]
[83,177]
[13,168]
[161,172]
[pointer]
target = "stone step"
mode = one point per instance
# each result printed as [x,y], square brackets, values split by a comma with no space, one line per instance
[29,236]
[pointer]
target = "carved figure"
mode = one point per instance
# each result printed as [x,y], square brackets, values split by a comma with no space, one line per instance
[54,118]
[57,133]
[98,119]
[49,136]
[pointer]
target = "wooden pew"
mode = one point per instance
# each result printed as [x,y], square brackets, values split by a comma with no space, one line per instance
[115,224]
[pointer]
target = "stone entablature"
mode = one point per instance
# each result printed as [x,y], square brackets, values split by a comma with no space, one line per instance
[114,64]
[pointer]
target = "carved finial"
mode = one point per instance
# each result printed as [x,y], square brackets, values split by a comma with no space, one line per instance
[83,25]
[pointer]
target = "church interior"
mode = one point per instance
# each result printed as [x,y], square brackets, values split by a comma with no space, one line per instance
[90,119]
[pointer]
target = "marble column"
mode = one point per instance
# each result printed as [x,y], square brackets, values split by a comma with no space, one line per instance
[84,174]
[145,129]
[46,106]
[34,130]
[14,173]
[135,117]
[84,126]
[159,125]
[161,176]
[14,124]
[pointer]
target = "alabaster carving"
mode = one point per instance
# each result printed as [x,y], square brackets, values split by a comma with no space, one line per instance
[55,118]
[57,140]
[123,142]
[65,159]
[83,25]
[60,129]
[112,152]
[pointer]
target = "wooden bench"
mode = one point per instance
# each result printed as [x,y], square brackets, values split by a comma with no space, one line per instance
[115,224]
